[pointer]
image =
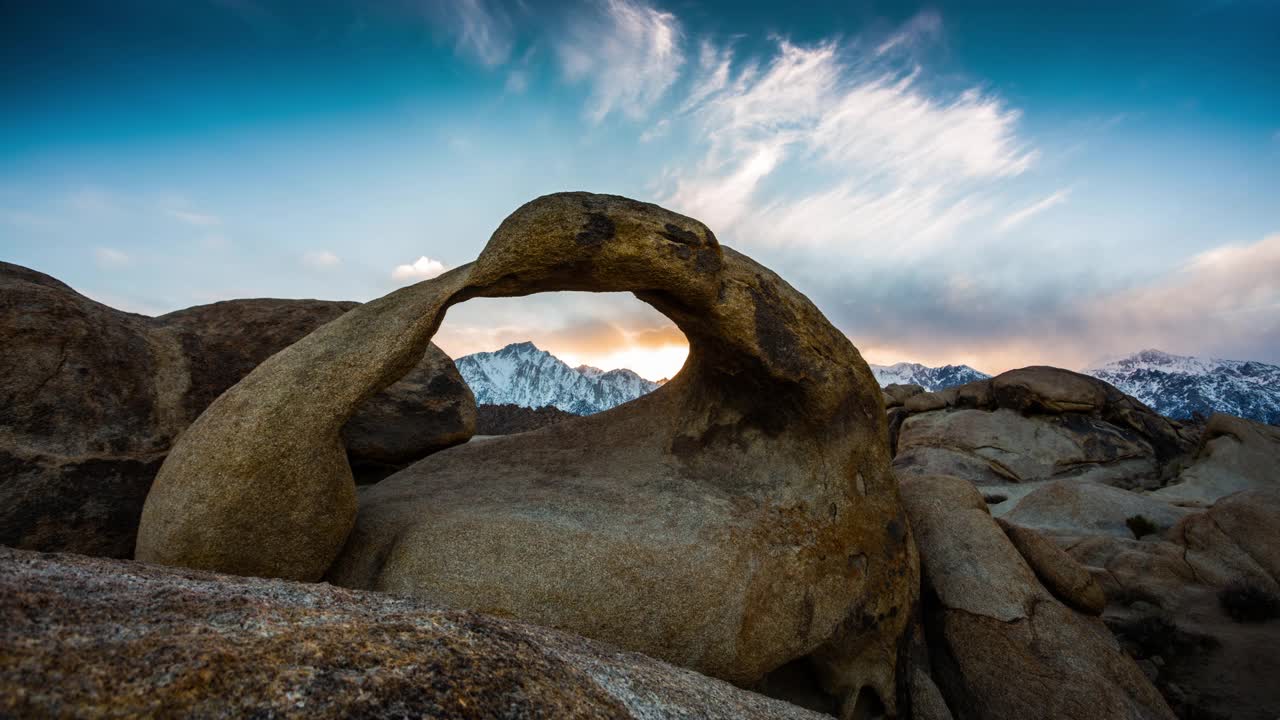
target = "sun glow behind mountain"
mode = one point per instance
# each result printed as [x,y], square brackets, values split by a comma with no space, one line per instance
[650,363]
[609,331]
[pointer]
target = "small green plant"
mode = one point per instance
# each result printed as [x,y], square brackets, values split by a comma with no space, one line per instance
[1140,526]
[1248,603]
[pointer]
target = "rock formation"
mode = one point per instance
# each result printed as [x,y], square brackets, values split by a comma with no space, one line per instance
[91,399]
[196,644]
[1033,425]
[1234,455]
[1173,599]
[739,517]
[1175,522]
[1001,645]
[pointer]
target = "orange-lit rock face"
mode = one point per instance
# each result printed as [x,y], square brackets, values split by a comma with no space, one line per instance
[739,517]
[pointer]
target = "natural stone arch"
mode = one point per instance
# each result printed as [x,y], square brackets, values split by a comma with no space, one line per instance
[739,517]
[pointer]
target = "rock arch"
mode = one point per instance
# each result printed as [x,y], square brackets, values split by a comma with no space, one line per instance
[739,517]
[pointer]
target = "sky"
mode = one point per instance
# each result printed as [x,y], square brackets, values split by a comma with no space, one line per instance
[991,183]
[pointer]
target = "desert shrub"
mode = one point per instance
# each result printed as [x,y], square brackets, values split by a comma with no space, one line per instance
[1141,525]
[1248,603]
[1151,635]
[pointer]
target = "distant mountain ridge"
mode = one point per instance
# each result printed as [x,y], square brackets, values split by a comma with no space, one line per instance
[1179,385]
[1173,385]
[930,378]
[522,374]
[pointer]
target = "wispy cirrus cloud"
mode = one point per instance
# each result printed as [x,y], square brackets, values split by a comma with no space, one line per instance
[321,259]
[880,158]
[1017,217]
[922,29]
[194,218]
[111,258]
[628,52]
[482,29]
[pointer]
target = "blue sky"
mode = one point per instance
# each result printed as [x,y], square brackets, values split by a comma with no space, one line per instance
[992,183]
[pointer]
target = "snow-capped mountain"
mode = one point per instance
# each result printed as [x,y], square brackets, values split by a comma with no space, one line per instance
[521,374]
[931,379]
[1177,385]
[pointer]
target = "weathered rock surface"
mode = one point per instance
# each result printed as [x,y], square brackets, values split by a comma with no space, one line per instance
[1060,574]
[1001,645]
[1118,488]
[739,517]
[85,637]
[91,398]
[1033,425]
[1166,603]
[1075,509]
[428,409]
[1001,446]
[1234,455]
[895,395]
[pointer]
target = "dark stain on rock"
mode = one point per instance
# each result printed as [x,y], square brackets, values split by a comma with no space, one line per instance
[708,260]
[677,234]
[806,618]
[598,230]
[774,335]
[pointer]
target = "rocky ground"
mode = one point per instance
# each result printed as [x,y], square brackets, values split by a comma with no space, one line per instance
[768,524]
[91,637]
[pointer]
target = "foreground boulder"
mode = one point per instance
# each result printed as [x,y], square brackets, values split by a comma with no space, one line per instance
[91,399]
[739,517]
[1000,644]
[85,637]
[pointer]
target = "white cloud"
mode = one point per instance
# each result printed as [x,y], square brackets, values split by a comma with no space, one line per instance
[194,218]
[880,158]
[658,130]
[517,82]
[482,29]
[628,52]
[1225,301]
[320,259]
[924,28]
[1018,217]
[111,258]
[714,66]
[424,268]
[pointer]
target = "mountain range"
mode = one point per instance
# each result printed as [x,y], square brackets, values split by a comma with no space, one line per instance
[1174,385]
[522,374]
[929,378]
[1179,385]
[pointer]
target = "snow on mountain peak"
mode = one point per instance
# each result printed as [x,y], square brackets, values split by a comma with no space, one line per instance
[522,374]
[931,379]
[1180,385]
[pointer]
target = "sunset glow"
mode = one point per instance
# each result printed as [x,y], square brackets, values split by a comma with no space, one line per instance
[661,363]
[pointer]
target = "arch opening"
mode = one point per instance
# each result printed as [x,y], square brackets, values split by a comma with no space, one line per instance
[605,331]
